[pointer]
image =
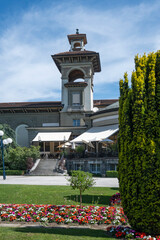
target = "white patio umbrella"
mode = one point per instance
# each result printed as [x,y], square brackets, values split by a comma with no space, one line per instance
[106,140]
[96,139]
[73,145]
[88,143]
[65,145]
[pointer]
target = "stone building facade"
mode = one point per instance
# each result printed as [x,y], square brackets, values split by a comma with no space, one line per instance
[75,113]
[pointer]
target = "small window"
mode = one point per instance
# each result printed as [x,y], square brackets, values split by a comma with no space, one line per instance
[76,99]
[95,168]
[78,166]
[76,122]
[113,167]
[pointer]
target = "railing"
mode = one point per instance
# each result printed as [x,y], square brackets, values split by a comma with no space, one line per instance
[92,154]
[75,108]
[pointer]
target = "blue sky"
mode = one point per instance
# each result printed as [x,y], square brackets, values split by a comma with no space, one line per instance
[32,30]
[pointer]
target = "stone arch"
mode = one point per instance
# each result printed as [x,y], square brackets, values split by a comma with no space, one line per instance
[75,74]
[22,135]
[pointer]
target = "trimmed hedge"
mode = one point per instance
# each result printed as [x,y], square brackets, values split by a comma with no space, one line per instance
[112,174]
[12,172]
[96,174]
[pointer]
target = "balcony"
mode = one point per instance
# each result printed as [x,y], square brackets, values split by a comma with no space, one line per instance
[75,108]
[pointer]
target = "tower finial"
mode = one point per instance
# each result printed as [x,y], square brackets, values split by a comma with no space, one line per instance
[77,31]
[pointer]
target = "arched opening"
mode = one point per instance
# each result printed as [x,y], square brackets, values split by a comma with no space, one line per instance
[77,45]
[75,75]
[22,135]
[79,80]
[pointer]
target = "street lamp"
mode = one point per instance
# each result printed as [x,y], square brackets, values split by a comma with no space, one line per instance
[4,142]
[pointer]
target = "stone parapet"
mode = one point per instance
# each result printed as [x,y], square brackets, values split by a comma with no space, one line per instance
[102,164]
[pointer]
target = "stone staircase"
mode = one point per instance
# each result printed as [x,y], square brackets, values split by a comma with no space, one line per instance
[46,167]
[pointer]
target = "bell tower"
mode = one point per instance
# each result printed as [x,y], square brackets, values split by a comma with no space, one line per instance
[77,67]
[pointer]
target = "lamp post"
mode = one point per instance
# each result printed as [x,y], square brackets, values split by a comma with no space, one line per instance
[4,142]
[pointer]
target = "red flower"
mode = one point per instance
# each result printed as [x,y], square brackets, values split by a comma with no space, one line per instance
[142,235]
[120,234]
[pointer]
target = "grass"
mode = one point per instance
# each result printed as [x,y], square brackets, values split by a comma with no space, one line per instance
[39,233]
[57,195]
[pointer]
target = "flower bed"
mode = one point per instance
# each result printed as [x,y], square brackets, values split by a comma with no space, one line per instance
[111,215]
[125,231]
[62,214]
[128,233]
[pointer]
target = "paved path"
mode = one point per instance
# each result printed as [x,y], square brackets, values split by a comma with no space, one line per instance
[54,180]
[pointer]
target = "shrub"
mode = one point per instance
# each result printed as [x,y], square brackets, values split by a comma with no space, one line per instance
[17,157]
[112,174]
[139,144]
[12,172]
[96,174]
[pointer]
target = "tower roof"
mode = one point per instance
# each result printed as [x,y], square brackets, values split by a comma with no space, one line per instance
[70,56]
[77,37]
[77,53]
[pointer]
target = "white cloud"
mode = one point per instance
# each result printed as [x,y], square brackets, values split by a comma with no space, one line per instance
[27,70]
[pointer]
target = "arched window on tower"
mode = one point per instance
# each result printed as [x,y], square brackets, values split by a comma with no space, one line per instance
[75,75]
[75,78]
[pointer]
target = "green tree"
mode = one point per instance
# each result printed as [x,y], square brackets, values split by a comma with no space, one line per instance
[139,144]
[8,133]
[15,156]
[81,180]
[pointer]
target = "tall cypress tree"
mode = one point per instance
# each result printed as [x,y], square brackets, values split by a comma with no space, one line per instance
[139,144]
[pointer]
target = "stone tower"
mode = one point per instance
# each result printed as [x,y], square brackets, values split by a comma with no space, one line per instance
[77,67]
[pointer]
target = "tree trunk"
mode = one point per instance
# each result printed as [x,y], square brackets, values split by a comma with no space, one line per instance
[80,198]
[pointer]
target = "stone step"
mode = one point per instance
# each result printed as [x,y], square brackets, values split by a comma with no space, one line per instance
[47,167]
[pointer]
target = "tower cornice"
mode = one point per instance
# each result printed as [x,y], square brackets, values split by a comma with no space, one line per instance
[78,56]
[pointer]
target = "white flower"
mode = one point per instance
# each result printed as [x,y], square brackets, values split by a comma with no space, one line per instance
[44,219]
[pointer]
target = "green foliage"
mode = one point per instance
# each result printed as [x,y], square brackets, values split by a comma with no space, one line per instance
[81,180]
[112,150]
[139,144]
[32,152]
[79,149]
[112,174]
[12,172]
[8,133]
[96,174]
[17,157]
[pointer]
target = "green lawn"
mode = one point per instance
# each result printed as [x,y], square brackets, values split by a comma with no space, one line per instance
[58,195]
[35,233]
